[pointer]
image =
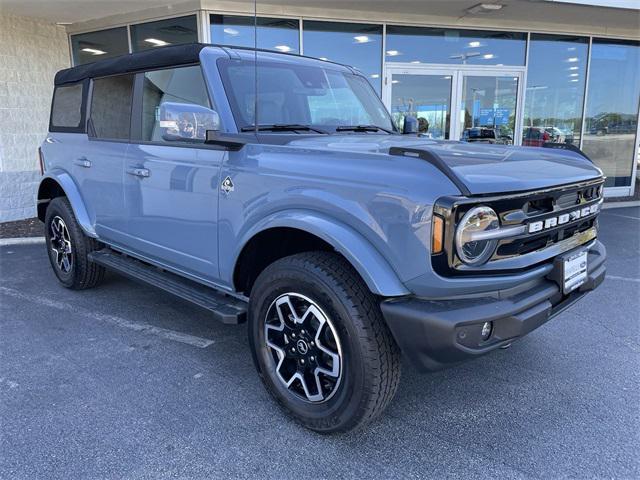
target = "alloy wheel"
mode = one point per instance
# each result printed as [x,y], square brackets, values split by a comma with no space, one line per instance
[304,347]
[61,244]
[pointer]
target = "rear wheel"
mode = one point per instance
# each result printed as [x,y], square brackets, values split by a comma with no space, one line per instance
[320,343]
[68,247]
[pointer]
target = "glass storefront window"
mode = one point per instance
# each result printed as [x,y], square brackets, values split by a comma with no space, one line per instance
[278,34]
[611,118]
[93,46]
[355,44]
[556,78]
[173,31]
[450,46]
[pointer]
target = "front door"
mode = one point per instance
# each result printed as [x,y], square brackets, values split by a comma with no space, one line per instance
[171,178]
[457,103]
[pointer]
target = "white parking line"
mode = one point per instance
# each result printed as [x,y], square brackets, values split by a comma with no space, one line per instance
[624,279]
[112,319]
[21,241]
[621,216]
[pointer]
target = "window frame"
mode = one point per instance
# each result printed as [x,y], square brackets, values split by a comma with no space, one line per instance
[82,126]
[89,123]
[135,132]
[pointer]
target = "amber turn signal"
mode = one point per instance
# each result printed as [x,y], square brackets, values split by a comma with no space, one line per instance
[437,234]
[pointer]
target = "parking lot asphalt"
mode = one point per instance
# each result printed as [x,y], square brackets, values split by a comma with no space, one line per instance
[124,381]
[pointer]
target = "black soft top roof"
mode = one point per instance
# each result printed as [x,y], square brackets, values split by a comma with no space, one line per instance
[132,62]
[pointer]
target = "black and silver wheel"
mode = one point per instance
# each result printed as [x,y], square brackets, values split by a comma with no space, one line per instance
[68,247]
[320,343]
[60,245]
[304,347]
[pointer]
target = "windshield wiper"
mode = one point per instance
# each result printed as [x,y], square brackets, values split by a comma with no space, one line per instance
[362,128]
[282,127]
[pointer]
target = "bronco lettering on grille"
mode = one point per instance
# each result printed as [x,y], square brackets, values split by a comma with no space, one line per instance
[563,219]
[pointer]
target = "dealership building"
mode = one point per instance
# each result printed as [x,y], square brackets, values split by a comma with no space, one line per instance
[523,72]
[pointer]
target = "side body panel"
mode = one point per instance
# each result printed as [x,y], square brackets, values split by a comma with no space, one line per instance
[172,213]
[90,172]
[100,181]
[374,209]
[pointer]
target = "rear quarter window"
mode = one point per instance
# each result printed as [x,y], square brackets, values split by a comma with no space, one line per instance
[66,109]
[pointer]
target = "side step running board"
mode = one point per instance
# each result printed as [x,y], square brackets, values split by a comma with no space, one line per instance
[225,308]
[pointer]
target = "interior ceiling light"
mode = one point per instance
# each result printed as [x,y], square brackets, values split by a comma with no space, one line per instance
[155,42]
[324,58]
[94,51]
[572,59]
[375,75]
[362,39]
[485,8]
[393,53]
[474,44]
[283,48]
[231,31]
[415,61]
[573,68]
[488,56]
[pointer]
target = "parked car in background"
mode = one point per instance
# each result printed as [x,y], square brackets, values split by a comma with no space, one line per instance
[342,241]
[555,134]
[496,135]
[535,136]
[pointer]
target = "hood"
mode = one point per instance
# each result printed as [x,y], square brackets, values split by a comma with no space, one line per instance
[481,168]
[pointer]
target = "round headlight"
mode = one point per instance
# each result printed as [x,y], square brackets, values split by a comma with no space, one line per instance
[473,238]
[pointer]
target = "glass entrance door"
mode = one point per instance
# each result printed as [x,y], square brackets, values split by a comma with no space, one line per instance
[457,103]
[488,108]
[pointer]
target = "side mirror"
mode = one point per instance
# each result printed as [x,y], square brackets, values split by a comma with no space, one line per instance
[186,122]
[410,125]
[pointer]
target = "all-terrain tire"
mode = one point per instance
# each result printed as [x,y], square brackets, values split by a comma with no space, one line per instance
[370,358]
[65,239]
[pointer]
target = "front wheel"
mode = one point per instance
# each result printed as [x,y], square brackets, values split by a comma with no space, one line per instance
[320,343]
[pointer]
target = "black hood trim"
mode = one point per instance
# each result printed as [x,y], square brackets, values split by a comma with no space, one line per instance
[435,160]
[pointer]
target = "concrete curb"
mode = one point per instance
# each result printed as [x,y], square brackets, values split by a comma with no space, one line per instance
[21,241]
[630,203]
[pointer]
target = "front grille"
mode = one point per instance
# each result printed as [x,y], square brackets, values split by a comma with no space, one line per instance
[550,208]
[523,246]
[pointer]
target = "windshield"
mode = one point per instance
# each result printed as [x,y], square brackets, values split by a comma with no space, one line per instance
[313,96]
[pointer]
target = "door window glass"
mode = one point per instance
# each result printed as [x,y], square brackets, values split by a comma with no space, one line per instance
[555,90]
[111,107]
[66,110]
[488,112]
[426,97]
[175,106]
[611,118]
[278,34]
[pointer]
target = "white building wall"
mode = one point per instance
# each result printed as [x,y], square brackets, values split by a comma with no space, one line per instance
[31,52]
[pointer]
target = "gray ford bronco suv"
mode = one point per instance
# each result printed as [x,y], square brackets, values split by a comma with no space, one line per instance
[292,201]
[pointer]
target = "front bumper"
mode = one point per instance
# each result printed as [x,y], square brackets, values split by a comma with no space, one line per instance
[434,334]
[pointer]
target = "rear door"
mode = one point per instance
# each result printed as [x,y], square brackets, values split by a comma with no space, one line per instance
[99,168]
[171,177]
